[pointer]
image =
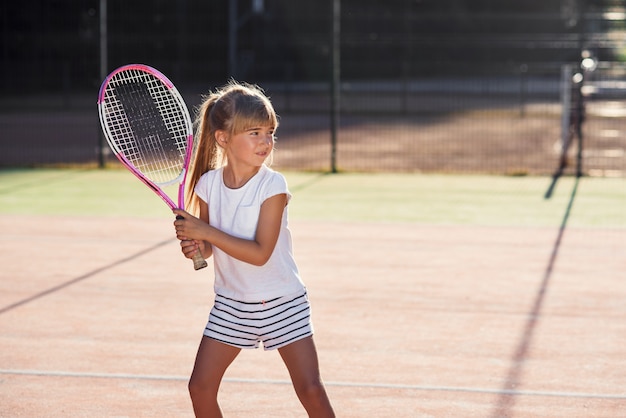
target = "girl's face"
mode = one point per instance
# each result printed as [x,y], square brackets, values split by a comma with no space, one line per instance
[250,147]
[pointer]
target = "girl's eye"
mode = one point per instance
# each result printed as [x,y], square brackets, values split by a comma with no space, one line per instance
[259,132]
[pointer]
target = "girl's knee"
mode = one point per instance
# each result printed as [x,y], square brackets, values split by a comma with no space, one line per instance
[194,387]
[315,400]
[199,388]
[313,391]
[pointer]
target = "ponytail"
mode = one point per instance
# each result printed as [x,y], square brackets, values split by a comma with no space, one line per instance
[208,155]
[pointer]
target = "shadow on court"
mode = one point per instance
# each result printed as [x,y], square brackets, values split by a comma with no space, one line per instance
[76,280]
[514,379]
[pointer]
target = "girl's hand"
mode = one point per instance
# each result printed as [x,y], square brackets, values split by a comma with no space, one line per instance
[191,231]
[190,247]
[187,226]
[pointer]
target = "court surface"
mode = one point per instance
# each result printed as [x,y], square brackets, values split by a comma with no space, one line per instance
[101,317]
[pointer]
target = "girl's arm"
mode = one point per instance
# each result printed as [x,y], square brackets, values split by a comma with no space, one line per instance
[256,251]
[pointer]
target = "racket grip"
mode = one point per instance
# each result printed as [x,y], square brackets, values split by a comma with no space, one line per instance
[198,261]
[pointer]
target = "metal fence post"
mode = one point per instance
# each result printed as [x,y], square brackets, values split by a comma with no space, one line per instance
[104,63]
[335,84]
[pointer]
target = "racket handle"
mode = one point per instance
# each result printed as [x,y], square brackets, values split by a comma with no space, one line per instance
[198,261]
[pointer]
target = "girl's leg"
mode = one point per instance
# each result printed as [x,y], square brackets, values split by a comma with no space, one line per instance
[212,360]
[300,358]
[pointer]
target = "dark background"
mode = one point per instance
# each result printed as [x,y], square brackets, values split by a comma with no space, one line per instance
[54,44]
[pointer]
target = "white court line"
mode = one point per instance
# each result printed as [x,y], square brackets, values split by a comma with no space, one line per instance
[335,384]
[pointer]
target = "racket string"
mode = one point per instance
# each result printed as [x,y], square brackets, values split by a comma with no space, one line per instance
[147,124]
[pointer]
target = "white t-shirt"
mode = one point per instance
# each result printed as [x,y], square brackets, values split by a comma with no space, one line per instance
[236,212]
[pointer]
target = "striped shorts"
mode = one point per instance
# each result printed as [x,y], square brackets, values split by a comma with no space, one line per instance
[275,322]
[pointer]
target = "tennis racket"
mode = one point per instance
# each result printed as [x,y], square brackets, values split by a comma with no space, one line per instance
[147,125]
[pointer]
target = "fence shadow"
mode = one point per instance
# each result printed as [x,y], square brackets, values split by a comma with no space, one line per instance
[508,392]
[81,278]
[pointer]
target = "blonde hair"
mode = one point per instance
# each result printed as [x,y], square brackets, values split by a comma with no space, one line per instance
[233,108]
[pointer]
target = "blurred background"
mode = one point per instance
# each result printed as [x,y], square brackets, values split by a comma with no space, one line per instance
[448,86]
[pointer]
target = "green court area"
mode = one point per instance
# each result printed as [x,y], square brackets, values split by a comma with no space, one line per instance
[413,198]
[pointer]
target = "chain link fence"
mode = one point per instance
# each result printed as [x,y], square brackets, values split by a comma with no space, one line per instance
[425,86]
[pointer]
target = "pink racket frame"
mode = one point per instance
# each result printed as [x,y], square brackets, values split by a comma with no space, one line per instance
[182,178]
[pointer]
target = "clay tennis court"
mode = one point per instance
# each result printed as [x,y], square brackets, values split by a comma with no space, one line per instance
[101,317]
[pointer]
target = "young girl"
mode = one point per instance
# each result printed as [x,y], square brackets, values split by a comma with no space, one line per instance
[242,207]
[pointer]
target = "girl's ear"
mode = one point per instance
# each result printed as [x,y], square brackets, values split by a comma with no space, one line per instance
[221,138]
